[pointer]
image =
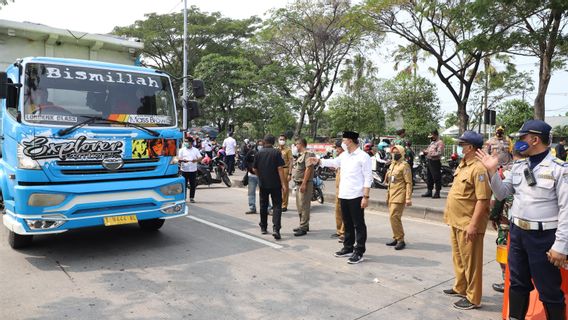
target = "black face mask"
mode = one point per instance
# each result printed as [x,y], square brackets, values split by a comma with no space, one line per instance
[397,156]
[433,139]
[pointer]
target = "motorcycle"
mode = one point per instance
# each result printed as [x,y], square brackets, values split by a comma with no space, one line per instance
[325,172]
[420,170]
[317,194]
[212,171]
[380,174]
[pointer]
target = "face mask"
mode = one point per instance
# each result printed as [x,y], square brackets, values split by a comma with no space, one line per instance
[463,152]
[344,146]
[499,134]
[432,139]
[294,150]
[259,148]
[186,144]
[281,142]
[397,156]
[521,146]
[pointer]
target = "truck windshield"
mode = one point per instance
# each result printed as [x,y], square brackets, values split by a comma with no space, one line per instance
[66,95]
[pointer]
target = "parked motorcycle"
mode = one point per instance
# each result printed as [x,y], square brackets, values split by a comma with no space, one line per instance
[212,171]
[379,175]
[421,171]
[317,194]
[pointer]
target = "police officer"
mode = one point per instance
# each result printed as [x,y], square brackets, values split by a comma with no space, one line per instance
[434,154]
[399,194]
[303,175]
[500,146]
[467,214]
[539,215]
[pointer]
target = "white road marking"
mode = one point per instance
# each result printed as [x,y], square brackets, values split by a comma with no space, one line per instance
[238,233]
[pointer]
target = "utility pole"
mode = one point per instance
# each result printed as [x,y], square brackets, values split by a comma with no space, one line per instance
[184,106]
[487,65]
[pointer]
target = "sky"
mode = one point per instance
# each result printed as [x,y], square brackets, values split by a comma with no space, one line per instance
[101,16]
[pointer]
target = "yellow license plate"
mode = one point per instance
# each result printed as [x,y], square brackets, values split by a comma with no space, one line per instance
[113,221]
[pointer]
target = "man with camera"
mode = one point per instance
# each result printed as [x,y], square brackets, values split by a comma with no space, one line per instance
[539,215]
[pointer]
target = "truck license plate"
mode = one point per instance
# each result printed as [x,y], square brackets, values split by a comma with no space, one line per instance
[113,221]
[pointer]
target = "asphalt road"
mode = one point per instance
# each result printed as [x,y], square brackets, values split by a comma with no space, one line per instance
[215,264]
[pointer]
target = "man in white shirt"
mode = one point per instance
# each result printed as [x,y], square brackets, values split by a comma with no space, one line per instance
[206,146]
[354,187]
[188,158]
[230,146]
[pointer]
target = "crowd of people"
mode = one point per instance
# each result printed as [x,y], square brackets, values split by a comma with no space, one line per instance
[513,181]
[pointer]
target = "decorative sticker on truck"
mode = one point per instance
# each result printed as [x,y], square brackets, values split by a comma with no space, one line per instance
[152,148]
[50,117]
[42,148]
[141,118]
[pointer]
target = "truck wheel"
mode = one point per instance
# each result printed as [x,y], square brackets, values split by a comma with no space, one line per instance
[151,224]
[19,241]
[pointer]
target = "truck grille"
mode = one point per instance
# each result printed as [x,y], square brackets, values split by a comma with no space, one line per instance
[72,167]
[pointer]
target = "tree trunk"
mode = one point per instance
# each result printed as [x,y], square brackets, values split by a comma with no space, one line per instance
[463,117]
[300,123]
[543,81]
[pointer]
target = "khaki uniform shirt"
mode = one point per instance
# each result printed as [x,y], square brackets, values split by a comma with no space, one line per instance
[300,167]
[435,150]
[501,148]
[399,178]
[471,183]
[287,156]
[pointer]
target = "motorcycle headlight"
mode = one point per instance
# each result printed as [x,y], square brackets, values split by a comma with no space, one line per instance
[25,162]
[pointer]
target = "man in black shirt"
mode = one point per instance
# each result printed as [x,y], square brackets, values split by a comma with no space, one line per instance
[560,149]
[269,167]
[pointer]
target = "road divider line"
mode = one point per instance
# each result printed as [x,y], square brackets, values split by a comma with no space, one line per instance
[235,232]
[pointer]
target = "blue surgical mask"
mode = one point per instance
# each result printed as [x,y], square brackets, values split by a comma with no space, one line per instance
[186,144]
[521,146]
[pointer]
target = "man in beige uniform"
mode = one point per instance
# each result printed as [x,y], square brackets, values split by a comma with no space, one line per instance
[303,175]
[288,161]
[467,214]
[399,194]
[340,228]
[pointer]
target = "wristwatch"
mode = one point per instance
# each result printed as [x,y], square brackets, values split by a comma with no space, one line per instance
[366,197]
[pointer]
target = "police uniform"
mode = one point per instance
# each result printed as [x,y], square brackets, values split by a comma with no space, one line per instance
[500,147]
[399,178]
[288,158]
[303,200]
[539,222]
[470,185]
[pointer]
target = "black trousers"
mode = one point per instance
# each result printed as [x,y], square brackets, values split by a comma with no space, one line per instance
[528,263]
[354,222]
[276,195]
[190,182]
[230,160]
[434,176]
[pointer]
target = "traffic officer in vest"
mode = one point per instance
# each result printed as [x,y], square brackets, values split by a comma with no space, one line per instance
[399,194]
[539,215]
[303,175]
[500,146]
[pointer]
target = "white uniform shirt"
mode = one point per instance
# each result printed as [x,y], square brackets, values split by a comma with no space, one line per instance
[356,173]
[230,146]
[188,154]
[206,145]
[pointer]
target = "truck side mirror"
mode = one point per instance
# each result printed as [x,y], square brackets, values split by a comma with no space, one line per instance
[198,88]
[193,109]
[3,85]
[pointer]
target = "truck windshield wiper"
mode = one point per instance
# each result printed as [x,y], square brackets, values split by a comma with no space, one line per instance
[91,119]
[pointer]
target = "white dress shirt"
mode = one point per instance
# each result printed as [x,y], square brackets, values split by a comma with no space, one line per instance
[188,154]
[230,146]
[206,145]
[356,173]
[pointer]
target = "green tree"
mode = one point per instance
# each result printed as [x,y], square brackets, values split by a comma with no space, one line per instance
[450,119]
[458,34]
[313,36]
[513,113]
[207,33]
[542,33]
[416,100]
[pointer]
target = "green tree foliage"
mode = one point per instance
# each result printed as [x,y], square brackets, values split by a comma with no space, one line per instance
[453,32]
[313,36]
[513,113]
[416,100]
[450,119]
[361,107]
[207,33]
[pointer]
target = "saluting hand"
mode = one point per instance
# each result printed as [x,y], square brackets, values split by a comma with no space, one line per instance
[489,162]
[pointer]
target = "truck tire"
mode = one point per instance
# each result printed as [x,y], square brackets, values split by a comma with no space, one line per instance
[19,241]
[151,224]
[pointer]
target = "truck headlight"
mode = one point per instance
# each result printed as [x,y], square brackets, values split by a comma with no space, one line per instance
[25,162]
[45,199]
[44,224]
[172,189]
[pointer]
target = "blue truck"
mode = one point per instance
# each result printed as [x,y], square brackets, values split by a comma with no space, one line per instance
[84,144]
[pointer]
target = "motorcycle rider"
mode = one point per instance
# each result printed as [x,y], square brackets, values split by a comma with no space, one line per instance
[188,157]
[399,194]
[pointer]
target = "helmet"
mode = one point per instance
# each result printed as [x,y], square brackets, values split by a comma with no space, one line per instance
[454,156]
[246,141]
[221,153]
[367,147]
[382,145]
[206,160]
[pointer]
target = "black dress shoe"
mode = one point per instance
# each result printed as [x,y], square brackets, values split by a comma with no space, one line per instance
[392,243]
[263,231]
[499,287]
[276,235]
[428,194]
[334,235]
[299,228]
[436,195]
[400,245]
[300,233]
[284,209]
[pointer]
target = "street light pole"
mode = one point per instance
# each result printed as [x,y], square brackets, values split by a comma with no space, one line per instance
[184,106]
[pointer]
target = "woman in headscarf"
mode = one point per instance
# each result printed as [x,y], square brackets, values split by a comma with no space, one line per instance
[399,194]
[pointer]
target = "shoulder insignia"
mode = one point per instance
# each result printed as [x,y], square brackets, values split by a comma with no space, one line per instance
[520,161]
[481,177]
[560,162]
